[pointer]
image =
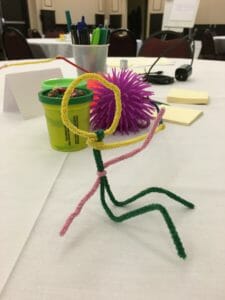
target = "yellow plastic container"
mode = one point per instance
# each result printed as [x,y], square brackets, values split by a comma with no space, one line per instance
[79,113]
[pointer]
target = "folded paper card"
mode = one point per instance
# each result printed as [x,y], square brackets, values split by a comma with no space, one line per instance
[21,91]
[187,96]
[181,116]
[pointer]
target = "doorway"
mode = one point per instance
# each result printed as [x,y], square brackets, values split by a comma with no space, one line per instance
[137,17]
[15,14]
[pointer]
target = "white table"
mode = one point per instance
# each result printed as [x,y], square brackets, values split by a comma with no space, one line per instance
[99,259]
[198,47]
[52,47]
[219,42]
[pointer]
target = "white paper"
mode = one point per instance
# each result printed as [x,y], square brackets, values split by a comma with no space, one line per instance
[9,104]
[28,169]
[166,18]
[21,91]
[184,10]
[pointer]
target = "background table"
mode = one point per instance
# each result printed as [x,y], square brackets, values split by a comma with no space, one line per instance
[52,47]
[219,42]
[99,259]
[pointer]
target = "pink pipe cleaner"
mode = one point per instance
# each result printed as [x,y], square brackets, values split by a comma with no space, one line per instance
[107,164]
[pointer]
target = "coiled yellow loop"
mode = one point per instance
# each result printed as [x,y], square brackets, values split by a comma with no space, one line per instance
[91,136]
[64,106]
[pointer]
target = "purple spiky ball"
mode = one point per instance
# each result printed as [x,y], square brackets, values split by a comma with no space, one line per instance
[137,107]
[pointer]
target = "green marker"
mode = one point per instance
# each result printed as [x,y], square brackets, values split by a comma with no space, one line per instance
[103,36]
[68,20]
[96,36]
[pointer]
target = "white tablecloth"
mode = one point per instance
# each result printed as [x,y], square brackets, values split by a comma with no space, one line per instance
[198,47]
[219,42]
[99,259]
[52,47]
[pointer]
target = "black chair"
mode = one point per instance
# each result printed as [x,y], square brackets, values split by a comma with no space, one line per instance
[33,33]
[167,35]
[122,42]
[177,48]
[15,45]
[208,50]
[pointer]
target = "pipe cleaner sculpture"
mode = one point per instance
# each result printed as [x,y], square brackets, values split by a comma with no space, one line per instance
[95,140]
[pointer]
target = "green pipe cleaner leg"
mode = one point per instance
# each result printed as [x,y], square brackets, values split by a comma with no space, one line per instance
[104,186]
[146,192]
[143,210]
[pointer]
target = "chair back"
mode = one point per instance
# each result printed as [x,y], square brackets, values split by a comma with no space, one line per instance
[167,35]
[177,48]
[15,44]
[122,42]
[208,48]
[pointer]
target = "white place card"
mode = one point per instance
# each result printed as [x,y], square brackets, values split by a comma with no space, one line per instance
[21,91]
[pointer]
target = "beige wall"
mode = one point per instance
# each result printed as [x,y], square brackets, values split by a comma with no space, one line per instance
[32,13]
[211,12]
[155,7]
[77,8]
[115,7]
[88,8]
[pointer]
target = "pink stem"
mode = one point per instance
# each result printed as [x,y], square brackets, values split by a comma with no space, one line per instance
[107,164]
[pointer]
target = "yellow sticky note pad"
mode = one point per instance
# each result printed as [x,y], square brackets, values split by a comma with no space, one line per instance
[181,116]
[187,96]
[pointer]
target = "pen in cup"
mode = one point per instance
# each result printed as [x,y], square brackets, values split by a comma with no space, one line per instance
[68,20]
[84,37]
[74,36]
[103,36]
[96,36]
[100,36]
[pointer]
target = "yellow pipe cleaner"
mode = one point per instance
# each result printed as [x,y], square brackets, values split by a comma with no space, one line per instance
[91,136]
[27,63]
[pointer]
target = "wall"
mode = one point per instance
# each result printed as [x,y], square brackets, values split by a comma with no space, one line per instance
[116,7]
[211,12]
[154,7]
[88,8]
[32,8]
[77,8]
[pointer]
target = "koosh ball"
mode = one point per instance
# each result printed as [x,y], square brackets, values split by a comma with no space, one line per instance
[137,106]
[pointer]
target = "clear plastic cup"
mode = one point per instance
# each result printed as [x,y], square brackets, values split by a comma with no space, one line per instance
[91,57]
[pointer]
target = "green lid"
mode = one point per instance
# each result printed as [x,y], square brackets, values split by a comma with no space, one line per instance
[44,98]
[60,82]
